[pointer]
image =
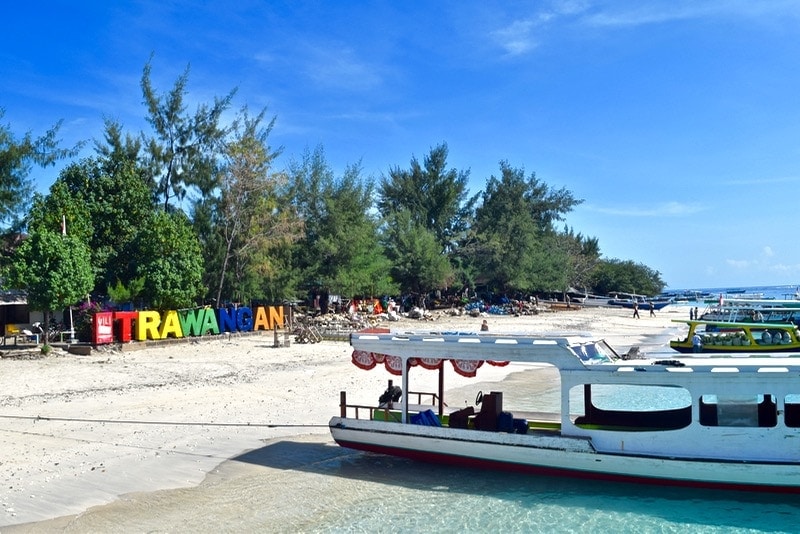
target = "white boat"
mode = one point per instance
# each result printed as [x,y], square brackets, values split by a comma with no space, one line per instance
[727,423]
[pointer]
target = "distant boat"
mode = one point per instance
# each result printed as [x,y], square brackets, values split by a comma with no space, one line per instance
[738,337]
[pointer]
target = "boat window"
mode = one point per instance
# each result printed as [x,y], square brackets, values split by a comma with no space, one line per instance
[792,410]
[595,353]
[738,411]
[624,407]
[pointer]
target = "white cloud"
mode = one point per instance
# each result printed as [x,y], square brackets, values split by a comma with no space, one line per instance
[517,38]
[655,12]
[339,67]
[739,264]
[666,209]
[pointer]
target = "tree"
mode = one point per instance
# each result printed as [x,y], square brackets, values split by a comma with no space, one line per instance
[582,255]
[249,219]
[435,198]
[172,266]
[626,276]
[117,150]
[415,254]
[17,157]
[54,270]
[340,251]
[310,180]
[184,148]
[113,200]
[352,260]
[515,246]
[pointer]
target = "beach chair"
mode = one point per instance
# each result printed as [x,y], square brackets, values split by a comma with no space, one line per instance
[30,336]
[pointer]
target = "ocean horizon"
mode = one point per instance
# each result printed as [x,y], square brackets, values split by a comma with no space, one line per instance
[769,292]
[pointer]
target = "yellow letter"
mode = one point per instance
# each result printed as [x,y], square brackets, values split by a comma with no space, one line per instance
[171,325]
[147,325]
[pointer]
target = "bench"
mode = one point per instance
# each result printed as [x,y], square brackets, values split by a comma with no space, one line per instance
[12,331]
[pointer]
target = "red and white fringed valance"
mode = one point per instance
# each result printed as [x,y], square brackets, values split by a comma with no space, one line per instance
[394,364]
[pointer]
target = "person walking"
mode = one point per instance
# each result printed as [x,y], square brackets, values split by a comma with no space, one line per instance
[652,309]
[635,310]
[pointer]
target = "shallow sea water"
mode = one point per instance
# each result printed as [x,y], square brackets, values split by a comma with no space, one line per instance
[311,485]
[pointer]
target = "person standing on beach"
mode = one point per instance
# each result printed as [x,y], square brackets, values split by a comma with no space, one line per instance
[652,309]
[691,314]
[635,310]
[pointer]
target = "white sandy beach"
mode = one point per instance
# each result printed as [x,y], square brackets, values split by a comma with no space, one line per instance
[78,432]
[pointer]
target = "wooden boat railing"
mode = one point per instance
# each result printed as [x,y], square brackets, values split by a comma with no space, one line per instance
[356,409]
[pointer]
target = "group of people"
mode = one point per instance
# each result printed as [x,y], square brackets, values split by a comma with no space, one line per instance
[636,309]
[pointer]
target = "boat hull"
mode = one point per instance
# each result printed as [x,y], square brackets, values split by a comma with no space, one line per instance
[686,348]
[554,455]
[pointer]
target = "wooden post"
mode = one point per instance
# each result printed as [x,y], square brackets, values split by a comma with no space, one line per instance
[441,389]
[343,404]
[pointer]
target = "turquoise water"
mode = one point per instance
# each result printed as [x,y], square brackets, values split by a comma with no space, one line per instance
[387,494]
[311,485]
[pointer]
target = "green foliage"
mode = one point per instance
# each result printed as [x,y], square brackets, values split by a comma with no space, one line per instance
[183,150]
[626,276]
[17,157]
[582,256]
[103,202]
[121,293]
[172,266]
[260,234]
[248,219]
[353,262]
[54,269]
[434,197]
[340,251]
[515,246]
[417,261]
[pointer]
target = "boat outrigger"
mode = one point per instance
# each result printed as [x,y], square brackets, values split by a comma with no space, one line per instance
[727,423]
[738,337]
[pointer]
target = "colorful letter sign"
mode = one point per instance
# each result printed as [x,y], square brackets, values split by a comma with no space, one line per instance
[123,326]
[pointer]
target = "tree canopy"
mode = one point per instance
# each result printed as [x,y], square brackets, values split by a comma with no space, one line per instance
[196,211]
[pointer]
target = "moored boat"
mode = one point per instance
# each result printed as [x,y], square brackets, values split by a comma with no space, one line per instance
[730,423]
[737,337]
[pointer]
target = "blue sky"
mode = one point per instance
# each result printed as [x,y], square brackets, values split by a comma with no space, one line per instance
[677,123]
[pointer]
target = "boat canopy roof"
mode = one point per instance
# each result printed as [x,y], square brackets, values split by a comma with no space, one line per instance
[735,324]
[468,350]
